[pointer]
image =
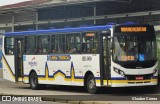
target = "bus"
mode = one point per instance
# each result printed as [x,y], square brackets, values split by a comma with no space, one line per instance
[113,55]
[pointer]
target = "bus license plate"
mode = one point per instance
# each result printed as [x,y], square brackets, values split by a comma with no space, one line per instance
[139,78]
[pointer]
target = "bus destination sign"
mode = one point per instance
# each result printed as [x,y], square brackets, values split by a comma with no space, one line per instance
[133,29]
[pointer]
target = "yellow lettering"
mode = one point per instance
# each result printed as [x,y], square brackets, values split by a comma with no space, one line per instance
[53,58]
[133,29]
[63,57]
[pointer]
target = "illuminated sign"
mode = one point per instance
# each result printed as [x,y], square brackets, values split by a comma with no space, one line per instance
[133,29]
[90,34]
[127,58]
[141,57]
[58,57]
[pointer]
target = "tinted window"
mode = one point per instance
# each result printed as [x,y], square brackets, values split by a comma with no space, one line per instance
[89,43]
[43,44]
[9,47]
[30,45]
[74,43]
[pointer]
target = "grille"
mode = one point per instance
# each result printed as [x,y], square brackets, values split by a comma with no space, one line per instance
[139,82]
[133,77]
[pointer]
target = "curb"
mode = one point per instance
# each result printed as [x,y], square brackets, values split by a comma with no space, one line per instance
[72,101]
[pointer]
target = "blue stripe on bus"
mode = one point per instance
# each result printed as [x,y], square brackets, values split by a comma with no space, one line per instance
[118,78]
[41,75]
[80,29]
[97,77]
[58,71]
[155,77]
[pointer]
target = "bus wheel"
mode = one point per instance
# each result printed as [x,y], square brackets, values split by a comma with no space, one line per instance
[33,81]
[91,84]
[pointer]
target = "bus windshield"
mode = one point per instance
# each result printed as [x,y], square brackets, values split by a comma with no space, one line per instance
[134,48]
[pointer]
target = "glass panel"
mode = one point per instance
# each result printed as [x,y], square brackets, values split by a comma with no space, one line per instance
[54,44]
[43,44]
[9,48]
[61,45]
[89,43]
[127,48]
[77,43]
[70,43]
[30,45]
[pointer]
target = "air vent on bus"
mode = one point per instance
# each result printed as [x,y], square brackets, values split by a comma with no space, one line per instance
[139,82]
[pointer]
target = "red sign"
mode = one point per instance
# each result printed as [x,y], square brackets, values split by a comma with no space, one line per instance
[139,78]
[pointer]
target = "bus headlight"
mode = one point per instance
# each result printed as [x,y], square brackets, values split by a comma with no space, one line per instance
[155,71]
[120,72]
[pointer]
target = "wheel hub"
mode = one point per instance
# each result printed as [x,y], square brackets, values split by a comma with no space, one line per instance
[92,84]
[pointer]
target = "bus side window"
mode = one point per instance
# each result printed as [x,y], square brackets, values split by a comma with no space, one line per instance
[43,44]
[30,45]
[89,42]
[77,42]
[9,46]
[54,43]
[70,43]
[61,44]
[74,43]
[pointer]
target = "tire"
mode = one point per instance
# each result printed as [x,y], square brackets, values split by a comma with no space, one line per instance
[33,80]
[91,85]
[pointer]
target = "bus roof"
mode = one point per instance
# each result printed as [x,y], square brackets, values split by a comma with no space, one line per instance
[63,30]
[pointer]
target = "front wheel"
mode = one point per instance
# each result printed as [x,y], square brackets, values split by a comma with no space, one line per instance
[33,81]
[91,84]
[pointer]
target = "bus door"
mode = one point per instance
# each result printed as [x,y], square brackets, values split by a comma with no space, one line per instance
[19,45]
[106,57]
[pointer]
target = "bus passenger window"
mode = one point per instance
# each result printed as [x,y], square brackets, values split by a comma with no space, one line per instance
[73,50]
[43,44]
[90,43]
[30,45]
[9,46]
[70,43]
[74,43]
[61,44]
[53,51]
[54,44]
[77,42]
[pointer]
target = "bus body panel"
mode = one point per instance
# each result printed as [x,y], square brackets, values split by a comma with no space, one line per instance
[118,80]
[69,70]
[8,67]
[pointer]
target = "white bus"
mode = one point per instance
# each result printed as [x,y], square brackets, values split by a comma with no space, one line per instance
[121,55]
